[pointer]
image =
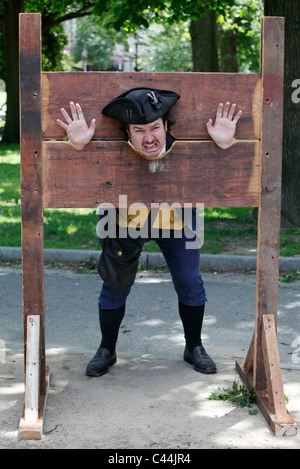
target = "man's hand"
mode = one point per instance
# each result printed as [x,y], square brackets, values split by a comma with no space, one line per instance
[78,131]
[223,130]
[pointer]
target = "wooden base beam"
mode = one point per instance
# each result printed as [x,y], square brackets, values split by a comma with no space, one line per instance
[31,423]
[33,430]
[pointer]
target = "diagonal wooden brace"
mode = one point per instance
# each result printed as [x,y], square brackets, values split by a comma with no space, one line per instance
[272,366]
[271,401]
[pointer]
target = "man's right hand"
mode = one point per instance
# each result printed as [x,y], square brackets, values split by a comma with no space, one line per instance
[77,130]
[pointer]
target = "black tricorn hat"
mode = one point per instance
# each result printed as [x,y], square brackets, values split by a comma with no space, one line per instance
[141,105]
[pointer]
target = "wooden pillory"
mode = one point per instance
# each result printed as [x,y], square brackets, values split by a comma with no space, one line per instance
[195,171]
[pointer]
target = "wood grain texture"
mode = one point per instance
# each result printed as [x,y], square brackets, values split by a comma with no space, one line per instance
[200,95]
[272,366]
[192,172]
[282,425]
[32,382]
[31,177]
[268,246]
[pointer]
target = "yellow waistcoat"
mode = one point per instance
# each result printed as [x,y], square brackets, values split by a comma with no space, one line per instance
[167,218]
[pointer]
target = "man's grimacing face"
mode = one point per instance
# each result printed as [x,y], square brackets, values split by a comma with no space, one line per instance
[148,139]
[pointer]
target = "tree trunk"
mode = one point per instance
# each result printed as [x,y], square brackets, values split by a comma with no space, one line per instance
[291,135]
[11,132]
[228,49]
[204,43]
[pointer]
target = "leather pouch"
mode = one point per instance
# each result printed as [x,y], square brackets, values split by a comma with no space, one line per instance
[119,262]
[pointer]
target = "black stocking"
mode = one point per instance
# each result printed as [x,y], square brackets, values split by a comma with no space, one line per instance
[110,322]
[192,319]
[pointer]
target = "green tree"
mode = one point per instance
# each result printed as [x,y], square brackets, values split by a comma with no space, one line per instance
[9,12]
[129,14]
[205,43]
[53,12]
[168,48]
[239,36]
[97,42]
[220,30]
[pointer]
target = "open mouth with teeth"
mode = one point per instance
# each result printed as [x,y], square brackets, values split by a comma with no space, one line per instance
[151,147]
[149,150]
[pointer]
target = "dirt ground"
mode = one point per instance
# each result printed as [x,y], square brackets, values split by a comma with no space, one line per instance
[140,404]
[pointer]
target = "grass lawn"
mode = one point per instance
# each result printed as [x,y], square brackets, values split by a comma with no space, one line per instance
[76,228]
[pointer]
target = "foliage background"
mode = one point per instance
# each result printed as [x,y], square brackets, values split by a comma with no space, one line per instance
[163,38]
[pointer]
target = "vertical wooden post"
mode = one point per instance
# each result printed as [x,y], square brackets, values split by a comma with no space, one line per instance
[31,183]
[263,352]
[268,248]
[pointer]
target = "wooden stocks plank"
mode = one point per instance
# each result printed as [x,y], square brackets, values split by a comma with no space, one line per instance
[31,176]
[192,172]
[200,95]
[270,195]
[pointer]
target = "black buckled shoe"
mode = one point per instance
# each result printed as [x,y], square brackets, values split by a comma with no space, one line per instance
[100,363]
[200,359]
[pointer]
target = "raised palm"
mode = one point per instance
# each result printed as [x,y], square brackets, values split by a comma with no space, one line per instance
[78,131]
[223,130]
